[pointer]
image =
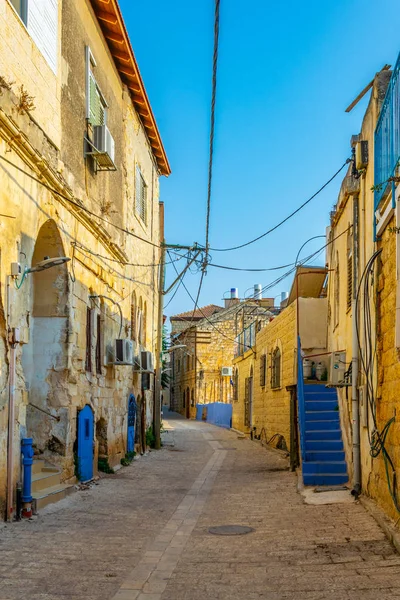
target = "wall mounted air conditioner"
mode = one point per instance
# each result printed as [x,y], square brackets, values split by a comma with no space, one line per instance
[103,151]
[147,370]
[121,353]
[226,371]
[338,369]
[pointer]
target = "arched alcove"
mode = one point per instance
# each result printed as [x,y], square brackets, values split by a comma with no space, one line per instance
[45,357]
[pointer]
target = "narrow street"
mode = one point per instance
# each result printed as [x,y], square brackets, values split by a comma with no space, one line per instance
[143,533]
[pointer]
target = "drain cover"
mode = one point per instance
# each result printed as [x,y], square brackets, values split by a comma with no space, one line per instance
[230,530]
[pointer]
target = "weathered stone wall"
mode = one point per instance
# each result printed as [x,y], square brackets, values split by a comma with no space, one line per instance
[48,144]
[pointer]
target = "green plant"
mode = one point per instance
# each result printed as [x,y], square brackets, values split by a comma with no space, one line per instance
[128,458]
[104,467]
[150,438]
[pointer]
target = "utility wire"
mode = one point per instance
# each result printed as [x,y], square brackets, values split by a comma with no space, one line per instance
[287,218]
[123,263]
[211,149]
[77,204]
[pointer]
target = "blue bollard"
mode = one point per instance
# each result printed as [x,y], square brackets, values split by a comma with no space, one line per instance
[27,461]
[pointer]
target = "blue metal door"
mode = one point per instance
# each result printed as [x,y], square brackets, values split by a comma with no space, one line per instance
[85,443]
[132,407]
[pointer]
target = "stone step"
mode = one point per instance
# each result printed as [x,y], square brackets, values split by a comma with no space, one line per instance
[45,479]
[51,494]
[38,465]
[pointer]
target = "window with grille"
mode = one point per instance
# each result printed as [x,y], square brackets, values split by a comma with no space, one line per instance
[349,280]
[88,361]
[98,345]
[276,369]
[263,367]
[141,196]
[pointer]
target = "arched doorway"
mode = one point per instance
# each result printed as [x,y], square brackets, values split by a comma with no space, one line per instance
[44,359]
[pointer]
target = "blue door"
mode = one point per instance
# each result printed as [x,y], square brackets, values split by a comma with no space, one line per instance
[85,443]
[130,446]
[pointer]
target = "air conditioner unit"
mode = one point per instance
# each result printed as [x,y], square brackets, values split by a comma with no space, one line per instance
[226,371]
[147,361]
[338,369]
[104,147]
[123,352]
[361,155]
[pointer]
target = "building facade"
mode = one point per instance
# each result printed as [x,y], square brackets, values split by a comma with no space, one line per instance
[80,158]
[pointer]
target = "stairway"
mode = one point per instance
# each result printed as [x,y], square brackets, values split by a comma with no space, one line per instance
[46,485]
[325,462]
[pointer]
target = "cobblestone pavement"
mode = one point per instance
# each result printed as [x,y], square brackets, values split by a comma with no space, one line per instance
[142,534]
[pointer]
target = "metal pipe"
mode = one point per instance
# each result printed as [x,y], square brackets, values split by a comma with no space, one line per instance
[355,363]
[27,461]
[10,439]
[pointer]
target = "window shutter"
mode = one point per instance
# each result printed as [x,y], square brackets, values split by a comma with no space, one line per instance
[96,105]
[263,364]
[137,191]
[349,280]
[141,196]
[43,27]
[88,361]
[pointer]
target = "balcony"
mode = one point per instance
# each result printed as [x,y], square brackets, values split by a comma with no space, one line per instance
[387,139]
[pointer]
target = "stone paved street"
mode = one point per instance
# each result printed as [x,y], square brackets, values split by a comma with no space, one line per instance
[143,533]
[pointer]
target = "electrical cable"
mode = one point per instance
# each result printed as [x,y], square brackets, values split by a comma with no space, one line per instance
[122,263]
[77,204]
[287,218]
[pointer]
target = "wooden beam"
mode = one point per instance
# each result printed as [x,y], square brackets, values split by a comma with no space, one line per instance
[114,37]
[107,17]
[122,56]
[364,91]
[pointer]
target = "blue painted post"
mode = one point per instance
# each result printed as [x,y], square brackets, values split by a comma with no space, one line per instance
[27,461]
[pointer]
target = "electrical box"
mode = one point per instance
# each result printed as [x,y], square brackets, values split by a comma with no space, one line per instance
[337,370]
[226,371]
[361,155]
[15,269]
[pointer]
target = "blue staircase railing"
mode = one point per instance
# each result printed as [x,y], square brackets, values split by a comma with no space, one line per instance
[301,401]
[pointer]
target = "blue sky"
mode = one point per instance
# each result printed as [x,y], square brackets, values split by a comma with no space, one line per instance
[287,71]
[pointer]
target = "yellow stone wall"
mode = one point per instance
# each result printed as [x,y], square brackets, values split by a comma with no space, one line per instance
[48,145]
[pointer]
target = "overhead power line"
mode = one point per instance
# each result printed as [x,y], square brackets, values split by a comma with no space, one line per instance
[211,148]
[121,262]
[287,218]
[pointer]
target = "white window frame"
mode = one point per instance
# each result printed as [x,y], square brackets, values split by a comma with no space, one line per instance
[24,11]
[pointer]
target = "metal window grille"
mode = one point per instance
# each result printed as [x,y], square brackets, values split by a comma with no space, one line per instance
[349,280]
[98,345]
[88,361]
[263,368]
[247,402]
[141,196]
[276,369]
[133,320]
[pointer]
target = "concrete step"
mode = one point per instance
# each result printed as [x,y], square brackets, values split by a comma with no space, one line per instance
[328,479]
[51,494]
[323,435]
[45,479]
[38,465]
[315,468]
[325,456]
[318,405]
[318,424]
[322,415]
[313,445]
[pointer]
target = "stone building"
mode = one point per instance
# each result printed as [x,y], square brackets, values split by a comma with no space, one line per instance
[80,161]
[265,375]
[202,369]
[364,297]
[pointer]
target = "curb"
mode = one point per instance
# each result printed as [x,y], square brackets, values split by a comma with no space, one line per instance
[383,521]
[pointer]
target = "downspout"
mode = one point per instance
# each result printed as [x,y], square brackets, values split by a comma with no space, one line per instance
[355,362]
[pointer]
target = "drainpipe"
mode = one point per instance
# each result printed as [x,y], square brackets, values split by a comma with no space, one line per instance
[11,419]
[355,363]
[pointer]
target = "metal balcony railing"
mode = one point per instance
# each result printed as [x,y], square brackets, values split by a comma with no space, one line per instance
[387,138]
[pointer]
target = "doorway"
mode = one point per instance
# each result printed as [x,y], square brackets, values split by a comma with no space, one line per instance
[85,444]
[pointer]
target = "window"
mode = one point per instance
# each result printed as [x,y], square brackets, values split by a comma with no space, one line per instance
[98,345]
[141,196]
[133,317]
[41,19]
[276,369]
[96,106]
[144,324]
[21,7]
[88,361]
[349,269]
[236,385]
[192,398]
[336,295]
[263,368]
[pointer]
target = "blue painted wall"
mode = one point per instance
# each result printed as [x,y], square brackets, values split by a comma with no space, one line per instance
[216,413]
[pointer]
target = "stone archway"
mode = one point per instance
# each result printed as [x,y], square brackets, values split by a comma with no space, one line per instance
[44,359]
